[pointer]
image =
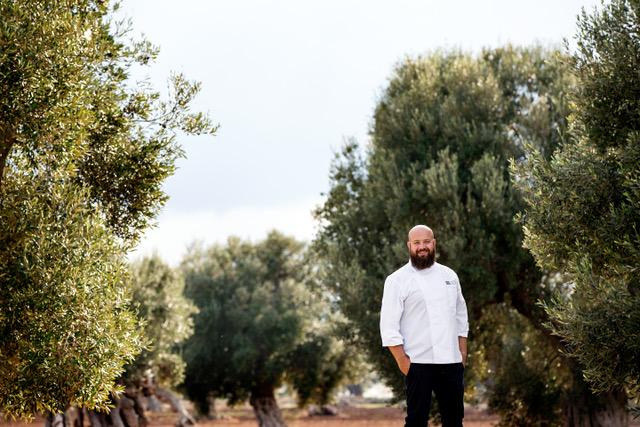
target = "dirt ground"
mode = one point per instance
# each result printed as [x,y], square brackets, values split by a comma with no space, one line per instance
[378,416]
[348,417]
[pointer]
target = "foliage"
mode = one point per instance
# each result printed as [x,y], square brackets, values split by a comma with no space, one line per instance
[83,154]
[66,329]
[157,294]
[583,204]
[67,105]
[259,323]
[527,371]
[443,132]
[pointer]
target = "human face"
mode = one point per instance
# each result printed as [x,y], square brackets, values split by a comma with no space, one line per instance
[422,248]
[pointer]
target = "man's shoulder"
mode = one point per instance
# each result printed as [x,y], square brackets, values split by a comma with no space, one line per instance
[446,271]
[401,272]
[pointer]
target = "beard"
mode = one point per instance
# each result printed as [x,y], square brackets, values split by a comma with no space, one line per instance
[423,259]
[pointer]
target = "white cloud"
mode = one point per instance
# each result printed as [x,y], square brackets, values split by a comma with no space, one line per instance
[175,231]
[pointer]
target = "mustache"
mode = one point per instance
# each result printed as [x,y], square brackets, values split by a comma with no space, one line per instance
[423,258]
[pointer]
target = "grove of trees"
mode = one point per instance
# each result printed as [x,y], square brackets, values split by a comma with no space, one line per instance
[443,134]
[523,160]
[262,323]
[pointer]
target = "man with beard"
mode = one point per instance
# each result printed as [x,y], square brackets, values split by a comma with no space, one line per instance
[424,323]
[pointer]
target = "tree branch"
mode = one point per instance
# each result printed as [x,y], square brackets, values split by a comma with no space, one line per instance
[7,141]
[526,303]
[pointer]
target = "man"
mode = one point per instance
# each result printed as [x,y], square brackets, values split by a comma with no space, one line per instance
[424,323]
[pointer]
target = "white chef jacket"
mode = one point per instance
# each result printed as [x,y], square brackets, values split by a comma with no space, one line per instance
[424,310]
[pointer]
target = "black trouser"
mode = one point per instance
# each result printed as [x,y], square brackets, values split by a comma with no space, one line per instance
[446,381]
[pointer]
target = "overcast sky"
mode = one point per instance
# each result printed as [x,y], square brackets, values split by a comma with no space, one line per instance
[288,82]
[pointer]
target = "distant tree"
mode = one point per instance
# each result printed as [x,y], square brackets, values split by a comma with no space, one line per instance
[83,155]
[166,314]
[584,204]
[158,297]
[260,326]
[443,132]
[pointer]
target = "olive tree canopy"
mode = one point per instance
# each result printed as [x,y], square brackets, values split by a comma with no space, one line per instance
[83,154]
[584,204]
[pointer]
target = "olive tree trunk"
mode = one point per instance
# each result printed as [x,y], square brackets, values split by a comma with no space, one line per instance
[184,418]
[265,407]
[128,411]
[608,410]
[582,408]
[213,409]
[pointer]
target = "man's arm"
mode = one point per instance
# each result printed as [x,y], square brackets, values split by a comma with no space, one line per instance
[390,314]
[401,358]
[462,343]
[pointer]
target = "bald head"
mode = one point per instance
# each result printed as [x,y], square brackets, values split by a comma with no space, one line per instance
[420,230]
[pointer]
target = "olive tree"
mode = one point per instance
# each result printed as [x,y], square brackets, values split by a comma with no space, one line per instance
[261,324]
[83,155]
[584,203]
[157,296]
[443,133]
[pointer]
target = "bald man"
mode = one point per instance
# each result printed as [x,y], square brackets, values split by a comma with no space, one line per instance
[424,323]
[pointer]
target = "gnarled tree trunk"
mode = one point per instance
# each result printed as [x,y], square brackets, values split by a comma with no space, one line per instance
[604,410]
[72,417]
[184,418]
[56,420]
[265,406]
[213,411]
[582,408]
[128,410]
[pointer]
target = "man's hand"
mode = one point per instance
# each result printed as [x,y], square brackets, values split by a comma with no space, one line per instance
[462,342]
[404,362]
